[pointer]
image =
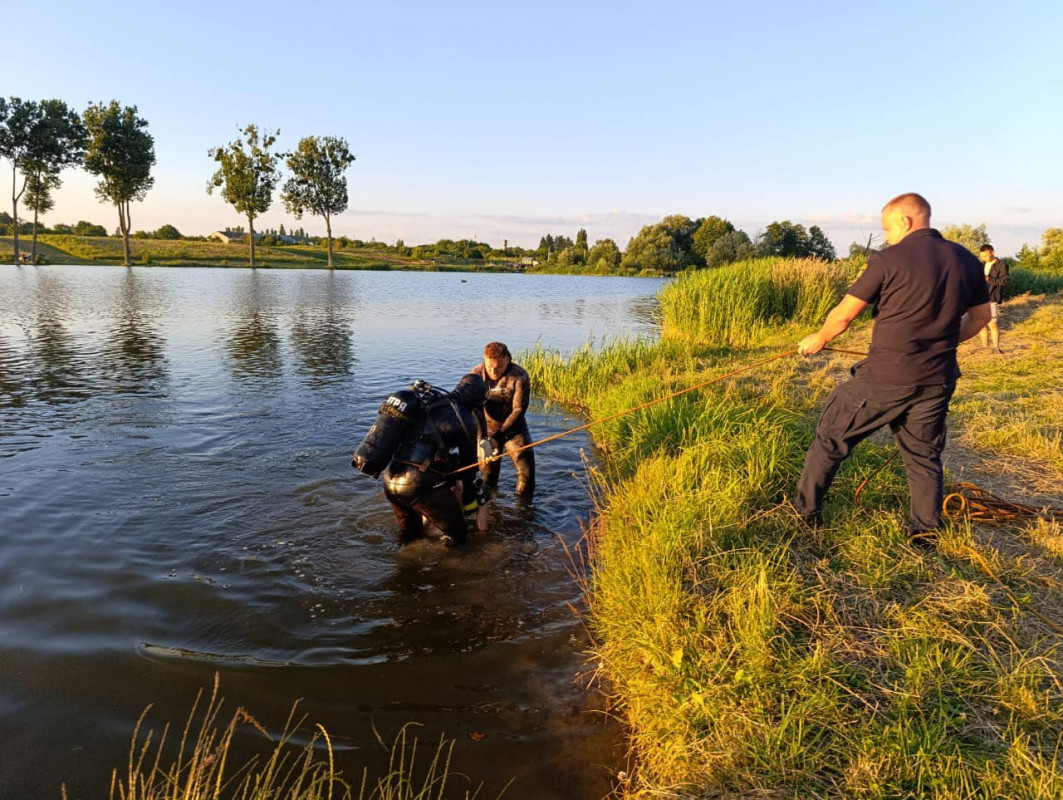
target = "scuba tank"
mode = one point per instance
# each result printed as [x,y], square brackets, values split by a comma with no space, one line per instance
[398,413]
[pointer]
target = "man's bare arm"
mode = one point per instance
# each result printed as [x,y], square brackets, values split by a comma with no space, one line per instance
[976,318]
[838,321]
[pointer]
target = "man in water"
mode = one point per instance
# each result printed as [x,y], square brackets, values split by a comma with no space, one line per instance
[929,295]
[508,393]
[424,435]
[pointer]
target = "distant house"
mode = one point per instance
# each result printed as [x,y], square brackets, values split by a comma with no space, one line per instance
[226,237]
[528,262]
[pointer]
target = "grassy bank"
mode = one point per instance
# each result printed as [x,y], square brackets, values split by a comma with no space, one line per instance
[752,658]
[69,249]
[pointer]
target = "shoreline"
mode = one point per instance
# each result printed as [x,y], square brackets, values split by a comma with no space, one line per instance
[69,250]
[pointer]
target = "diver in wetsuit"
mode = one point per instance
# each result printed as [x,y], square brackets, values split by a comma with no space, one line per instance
[508,393]
[420,435]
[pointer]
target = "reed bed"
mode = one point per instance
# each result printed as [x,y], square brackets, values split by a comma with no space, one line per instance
[753,657]
[739,304]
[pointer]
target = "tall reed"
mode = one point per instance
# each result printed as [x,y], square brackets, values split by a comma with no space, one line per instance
[737,304]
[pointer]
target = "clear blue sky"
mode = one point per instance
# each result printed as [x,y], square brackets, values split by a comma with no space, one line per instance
[509,121]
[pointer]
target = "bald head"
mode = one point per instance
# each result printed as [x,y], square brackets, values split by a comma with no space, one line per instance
[904,214]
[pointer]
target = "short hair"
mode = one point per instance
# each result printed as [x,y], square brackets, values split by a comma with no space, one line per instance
[496,350]
[915,204]
[986,248]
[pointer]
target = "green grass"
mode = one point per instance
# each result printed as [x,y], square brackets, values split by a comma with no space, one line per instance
[738,304]
[70,249]
[752,658]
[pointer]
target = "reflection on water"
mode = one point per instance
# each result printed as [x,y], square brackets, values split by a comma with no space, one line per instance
[322,330]
[62,372]
[176,500]
[134,360]
[255,345]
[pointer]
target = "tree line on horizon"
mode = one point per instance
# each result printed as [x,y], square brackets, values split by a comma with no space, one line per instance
[40,139]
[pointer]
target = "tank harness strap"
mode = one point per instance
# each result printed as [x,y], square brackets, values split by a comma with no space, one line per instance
[437,438]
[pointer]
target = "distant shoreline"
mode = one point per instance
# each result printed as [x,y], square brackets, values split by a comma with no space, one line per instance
[68,249]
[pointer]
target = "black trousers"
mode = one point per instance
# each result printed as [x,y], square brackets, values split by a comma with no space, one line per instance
[440,506]
[524,463]
[859,407]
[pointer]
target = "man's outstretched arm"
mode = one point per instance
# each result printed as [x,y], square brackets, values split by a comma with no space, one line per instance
[838,321]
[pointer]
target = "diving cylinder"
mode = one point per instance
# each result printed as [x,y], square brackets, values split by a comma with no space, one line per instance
[399,411]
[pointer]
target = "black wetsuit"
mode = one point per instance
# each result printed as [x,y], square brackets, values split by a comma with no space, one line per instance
[416,482]
[507,403]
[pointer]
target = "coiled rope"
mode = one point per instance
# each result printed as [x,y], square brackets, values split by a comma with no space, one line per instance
[978,505]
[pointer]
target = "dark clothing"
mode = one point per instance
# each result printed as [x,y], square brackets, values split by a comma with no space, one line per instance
[996,281]
[505,409]
[507,400]
[438,505]
[524,462]
[920,287]
[416,482]
[858,408]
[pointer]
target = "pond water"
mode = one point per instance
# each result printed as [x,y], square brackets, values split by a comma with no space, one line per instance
[177,501]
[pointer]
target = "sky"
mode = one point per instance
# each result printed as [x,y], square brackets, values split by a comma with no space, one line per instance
[505,122]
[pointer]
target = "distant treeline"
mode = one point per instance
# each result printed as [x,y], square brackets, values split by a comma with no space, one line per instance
[42,138]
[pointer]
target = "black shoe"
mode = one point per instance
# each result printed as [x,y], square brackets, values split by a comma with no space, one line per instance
[450,541]
[923,540]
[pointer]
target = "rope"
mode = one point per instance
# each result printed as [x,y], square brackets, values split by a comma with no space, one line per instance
[978,505]
[647,404]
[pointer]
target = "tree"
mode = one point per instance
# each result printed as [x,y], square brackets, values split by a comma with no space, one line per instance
[709,231]
[318,183]
[787,239]
[731,247]
[1048,256]
[971,237]
[819,246]
[168,232]
[604,256]
[247,175]
[18,118]
[83,228]
[581,239]
[39,199]
[665,247]
[121,153]
[57,141]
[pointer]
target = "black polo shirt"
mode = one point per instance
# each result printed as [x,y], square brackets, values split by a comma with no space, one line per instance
[920,287]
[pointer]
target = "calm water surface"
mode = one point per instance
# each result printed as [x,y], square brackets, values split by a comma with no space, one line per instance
[176,501]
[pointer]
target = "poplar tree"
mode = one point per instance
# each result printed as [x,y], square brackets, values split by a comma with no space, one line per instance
[247,174]
[318,183]
[121,153]
[39,139]
[58,142]
[18,118]
[39,200]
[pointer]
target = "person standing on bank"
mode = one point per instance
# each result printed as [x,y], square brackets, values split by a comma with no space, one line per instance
[996,278]
[508,393]
[929,295]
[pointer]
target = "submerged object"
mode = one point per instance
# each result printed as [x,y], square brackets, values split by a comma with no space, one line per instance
[397,414]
